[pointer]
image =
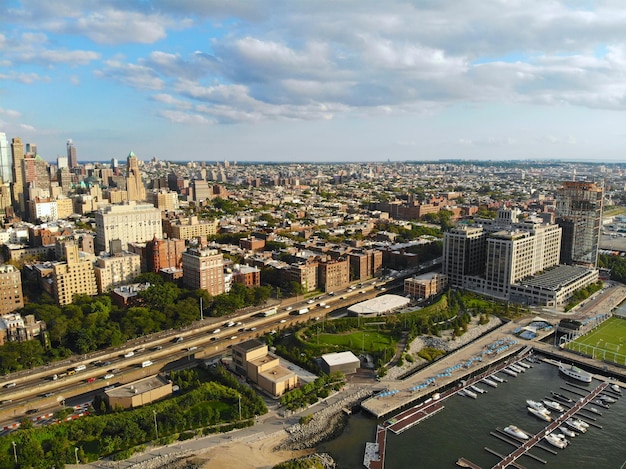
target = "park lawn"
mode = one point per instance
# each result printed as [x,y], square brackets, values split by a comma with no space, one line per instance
[609,336]
[369,341]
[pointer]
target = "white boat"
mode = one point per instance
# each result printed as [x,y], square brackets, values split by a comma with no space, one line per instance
[581,422]
[557,440]
[517,369]
[567,432]
[523,365]
[616,388]
[576,425]
[537,406]
[539,414]
[489,382]
[516,432]
[593,409]
[497,379]
[576,373]
[476,389]
[509,372]
[553,405]
[467,393]
[608,399]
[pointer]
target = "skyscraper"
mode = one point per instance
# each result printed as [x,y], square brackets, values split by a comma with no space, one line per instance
[17,149]
[134,184]
[6,175]
[71,154]
[579,214]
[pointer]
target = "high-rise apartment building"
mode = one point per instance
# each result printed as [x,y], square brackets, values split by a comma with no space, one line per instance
[134,184]
[491,256]
[334,274]
[579,214]
[204,269]
[112,271]
[463,253]
[19,201]
[72,159]
[11,297]
[128,223]
[6,173]
[75,276]
[163,254]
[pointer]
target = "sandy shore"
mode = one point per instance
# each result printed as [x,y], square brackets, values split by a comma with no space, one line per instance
[255,454]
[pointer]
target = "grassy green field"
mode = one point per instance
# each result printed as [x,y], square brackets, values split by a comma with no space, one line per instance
[607,342]
[369,341]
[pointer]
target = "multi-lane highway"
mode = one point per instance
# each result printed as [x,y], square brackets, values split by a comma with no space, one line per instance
[47,388]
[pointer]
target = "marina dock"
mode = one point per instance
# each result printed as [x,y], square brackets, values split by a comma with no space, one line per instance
[374,457]
[510,459]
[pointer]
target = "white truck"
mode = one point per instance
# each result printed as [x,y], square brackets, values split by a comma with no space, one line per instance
[303,311]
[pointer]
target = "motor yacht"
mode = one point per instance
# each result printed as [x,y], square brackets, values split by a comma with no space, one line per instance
[557,440]
[576,373]
[553,405]
[576,425]
[539,414]
[517,369]
[615,388]
[537,406]
[608,399]
[516,432]
[509,372]
[497,379]
[567,432]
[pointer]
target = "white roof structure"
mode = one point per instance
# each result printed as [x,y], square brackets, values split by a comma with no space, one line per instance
[379,305]
[340,358]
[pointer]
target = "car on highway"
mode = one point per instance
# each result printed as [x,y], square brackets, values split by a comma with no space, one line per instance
[282,321]
[109,376]
[179,339]
[32,411]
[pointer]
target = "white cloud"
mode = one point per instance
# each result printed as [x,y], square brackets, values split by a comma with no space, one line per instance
[10,113]
[180,117]
[136,76]
[25,78]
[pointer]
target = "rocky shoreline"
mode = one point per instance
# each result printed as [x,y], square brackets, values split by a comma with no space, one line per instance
[325,425]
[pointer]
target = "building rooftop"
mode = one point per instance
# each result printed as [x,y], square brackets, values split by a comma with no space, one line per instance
[340,358]
[249,345]
[556,277]
[380,304]
[138,387]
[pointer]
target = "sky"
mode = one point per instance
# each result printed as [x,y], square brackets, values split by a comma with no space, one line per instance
[304,80]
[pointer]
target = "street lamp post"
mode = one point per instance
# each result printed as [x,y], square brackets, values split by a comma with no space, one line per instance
[76,455]
[156,428]
[14,451]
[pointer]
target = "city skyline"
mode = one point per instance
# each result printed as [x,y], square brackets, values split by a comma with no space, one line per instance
[315,81]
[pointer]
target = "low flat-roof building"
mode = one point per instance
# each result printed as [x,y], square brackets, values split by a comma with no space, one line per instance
[554,287]
[343,362]
[139,393]
[252,359]
[378,306]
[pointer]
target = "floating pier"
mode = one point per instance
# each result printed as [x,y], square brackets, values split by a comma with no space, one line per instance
[510,459]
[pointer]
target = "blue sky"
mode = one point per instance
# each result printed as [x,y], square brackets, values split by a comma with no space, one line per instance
[290,80]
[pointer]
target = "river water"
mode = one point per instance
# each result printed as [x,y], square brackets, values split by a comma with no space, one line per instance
[462,429]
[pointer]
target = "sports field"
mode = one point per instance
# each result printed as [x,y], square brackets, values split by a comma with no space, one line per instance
[607,342]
